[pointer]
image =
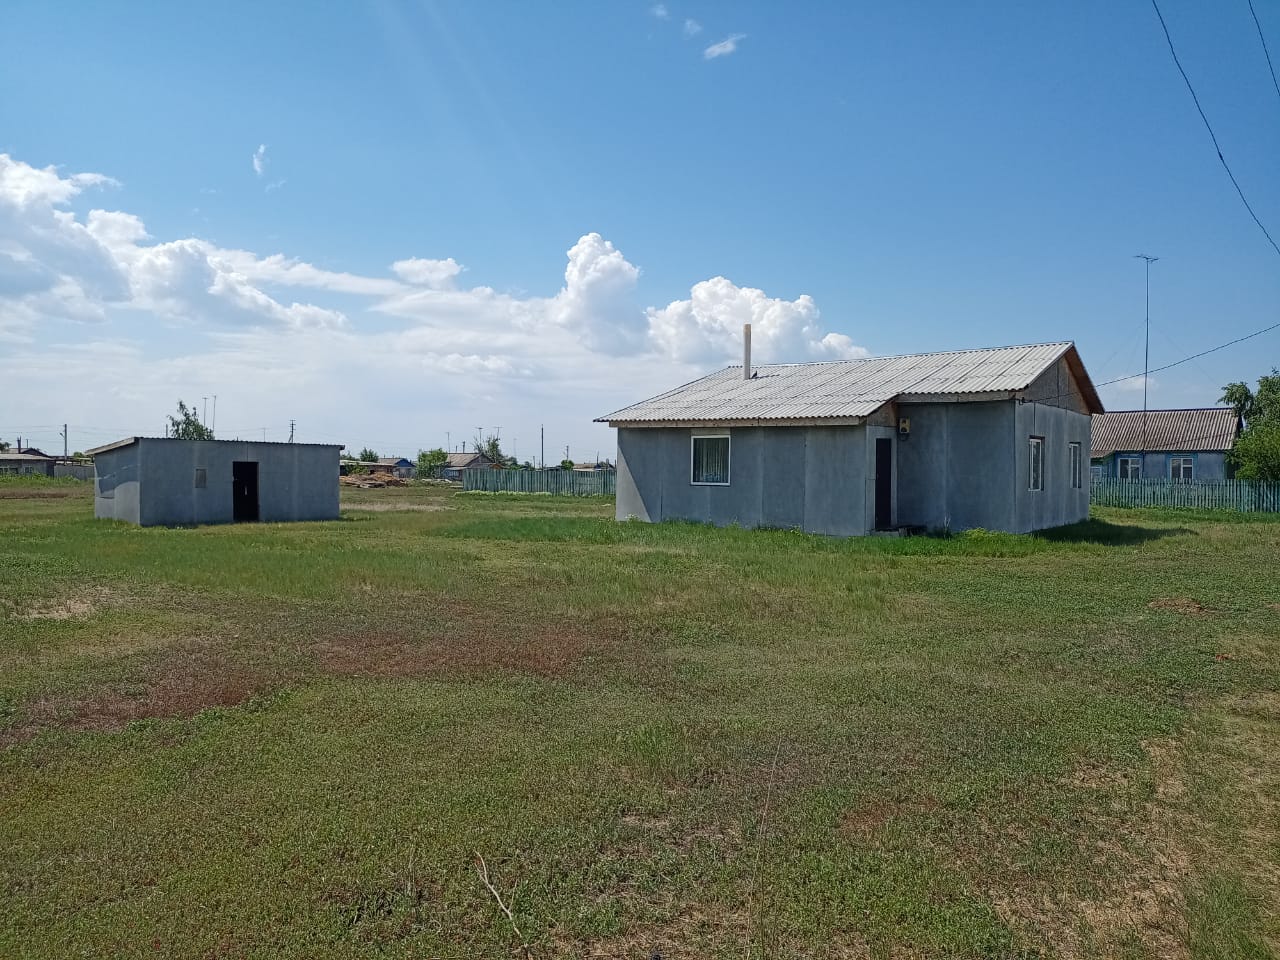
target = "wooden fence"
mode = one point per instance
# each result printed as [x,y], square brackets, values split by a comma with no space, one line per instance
[1249,496]
[571,483]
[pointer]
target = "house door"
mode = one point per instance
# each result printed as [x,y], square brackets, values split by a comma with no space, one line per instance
[244,491]
[884,483]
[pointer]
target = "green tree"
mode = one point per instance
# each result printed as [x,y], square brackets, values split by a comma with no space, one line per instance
[566,464]
[1256,455]
[491,448]
[368,456]
[4,446]
[430,462]
[187,426]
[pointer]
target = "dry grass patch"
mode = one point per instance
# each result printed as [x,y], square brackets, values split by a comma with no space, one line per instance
[1147,863]
[544,650]
[1186,605]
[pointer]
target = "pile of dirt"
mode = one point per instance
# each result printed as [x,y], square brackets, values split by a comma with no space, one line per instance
[369,481]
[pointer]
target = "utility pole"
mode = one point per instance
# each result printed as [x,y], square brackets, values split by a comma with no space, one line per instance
[291,422]
[1146,354]
[215,413]
[542,446]
[64,441]
[204,411]
[448,442]
[264,434]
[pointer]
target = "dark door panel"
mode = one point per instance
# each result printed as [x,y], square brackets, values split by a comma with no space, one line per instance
[244,491]
[884,483]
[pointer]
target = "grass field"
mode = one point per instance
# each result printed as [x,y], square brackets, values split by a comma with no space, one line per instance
[294,740]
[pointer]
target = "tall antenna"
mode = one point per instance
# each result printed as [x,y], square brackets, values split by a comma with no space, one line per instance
[1146,351]
[291,423]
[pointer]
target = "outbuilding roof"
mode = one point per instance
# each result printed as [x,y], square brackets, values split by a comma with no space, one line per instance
[1197,429]
[128,441]
[850,390]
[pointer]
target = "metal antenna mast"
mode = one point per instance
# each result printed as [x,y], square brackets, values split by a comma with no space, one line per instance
[1146,350]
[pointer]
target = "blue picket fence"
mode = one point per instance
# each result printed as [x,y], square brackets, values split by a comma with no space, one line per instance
[570,483]
[1249,496]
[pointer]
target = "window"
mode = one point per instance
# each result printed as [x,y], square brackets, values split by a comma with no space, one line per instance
[710,459]
[1077,467]
[1035,463]
[1095,471]
[1182,468]
[1129,468]
[202,478]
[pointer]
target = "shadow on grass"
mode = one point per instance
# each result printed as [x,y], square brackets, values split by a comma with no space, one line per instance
[1110,534]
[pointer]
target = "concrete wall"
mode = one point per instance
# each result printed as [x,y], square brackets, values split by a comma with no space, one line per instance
[1210,465]
[115,485]
[964,465]
[1057,387]
[956,467]
[153,481]
[813,478]
[1058,503]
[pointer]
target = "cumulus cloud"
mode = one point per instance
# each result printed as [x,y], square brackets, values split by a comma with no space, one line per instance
[725,47]
[260,160]
[660,11]
[272,326]
[707,328]
[692,27]
[437,274]
[598,297]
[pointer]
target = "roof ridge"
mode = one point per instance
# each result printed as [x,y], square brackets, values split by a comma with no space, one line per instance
[902,356]
[1171,410]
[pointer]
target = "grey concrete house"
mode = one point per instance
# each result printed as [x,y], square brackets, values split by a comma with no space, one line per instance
[1184,445]
[27,462]
[993,438]
[152,481]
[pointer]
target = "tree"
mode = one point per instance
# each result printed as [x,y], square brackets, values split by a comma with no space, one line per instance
[430,462]
[566,464]
[368,456]
[187,426]
[4,446]
[491,448]
[1256,455]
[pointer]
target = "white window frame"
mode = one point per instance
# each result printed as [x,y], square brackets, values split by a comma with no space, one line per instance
[711,435]
[1120,471]
[1175,461]
[1077,466]
[1035,464]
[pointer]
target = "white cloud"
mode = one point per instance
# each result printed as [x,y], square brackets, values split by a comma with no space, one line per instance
[598,297]
[453,354]
[707,328]
[260,159]
[437,274]
[275,185]
[660,11]
[692,27]
[725,47]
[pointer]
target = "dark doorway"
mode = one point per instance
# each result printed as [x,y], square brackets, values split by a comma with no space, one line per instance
[884,483]
[244,491]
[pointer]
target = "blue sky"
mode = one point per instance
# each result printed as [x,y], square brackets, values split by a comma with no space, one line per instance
[585,205]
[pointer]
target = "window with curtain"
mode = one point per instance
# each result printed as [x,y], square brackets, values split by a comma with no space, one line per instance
[1182,468]
[1077,467]
[711,460]
[1130,468]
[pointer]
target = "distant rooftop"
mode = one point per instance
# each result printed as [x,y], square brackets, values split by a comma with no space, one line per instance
[127,441]
[1202,429]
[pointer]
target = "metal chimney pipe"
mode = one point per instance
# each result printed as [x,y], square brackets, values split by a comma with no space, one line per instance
[746,351]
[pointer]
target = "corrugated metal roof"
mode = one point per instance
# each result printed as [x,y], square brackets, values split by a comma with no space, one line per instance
[256,443]
[1201,429]
[844,389]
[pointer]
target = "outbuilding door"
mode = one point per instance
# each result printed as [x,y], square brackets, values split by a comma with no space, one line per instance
[884,483]
[244,491]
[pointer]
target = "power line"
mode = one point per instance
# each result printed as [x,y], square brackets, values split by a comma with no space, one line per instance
[1194,356]
[1265,52]
[1208,126]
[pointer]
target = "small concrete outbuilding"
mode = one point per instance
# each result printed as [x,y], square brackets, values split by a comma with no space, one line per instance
[994,438]
[154,481]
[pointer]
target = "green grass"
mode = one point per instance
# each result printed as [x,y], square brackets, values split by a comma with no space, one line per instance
[292,740]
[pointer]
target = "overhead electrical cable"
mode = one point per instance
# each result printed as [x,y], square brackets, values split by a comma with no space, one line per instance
[1208,126]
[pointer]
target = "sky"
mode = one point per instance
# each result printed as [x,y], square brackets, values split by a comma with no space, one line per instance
[399,224]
